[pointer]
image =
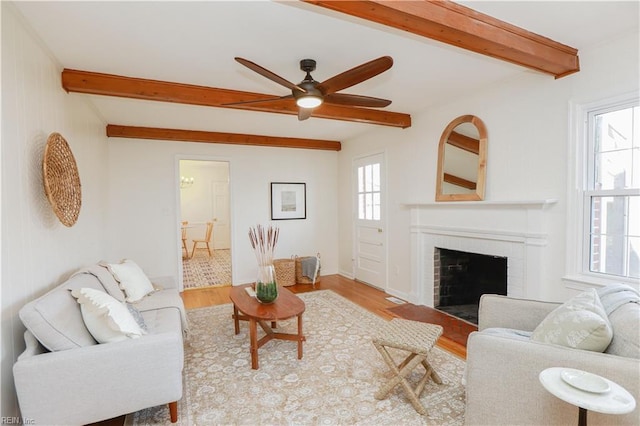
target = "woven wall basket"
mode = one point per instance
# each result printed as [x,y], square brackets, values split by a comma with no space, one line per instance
[61,179]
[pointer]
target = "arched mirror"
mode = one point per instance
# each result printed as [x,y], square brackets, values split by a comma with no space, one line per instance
[462,158]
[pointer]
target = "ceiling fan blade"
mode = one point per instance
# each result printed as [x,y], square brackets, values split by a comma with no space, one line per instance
[268,74]
[304,113]
[256,101]
[356,100]
[355,75]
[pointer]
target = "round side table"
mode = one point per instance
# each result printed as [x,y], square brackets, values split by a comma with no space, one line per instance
[616,400]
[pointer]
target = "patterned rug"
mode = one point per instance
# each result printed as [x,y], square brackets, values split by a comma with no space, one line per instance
[333,384]
[202,270]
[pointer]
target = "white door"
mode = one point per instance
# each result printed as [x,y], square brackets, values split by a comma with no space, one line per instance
[370,241]
[220,207]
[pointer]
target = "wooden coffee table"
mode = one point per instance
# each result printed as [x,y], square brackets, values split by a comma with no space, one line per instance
[247,308]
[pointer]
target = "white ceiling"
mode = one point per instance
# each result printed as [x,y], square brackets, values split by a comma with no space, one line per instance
[195,43]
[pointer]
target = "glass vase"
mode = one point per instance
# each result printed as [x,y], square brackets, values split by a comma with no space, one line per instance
[266,286]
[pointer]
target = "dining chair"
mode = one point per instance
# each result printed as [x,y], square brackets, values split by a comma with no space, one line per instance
[206,240]
[184,237]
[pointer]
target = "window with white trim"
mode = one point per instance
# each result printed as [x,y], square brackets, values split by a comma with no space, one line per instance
[610,200]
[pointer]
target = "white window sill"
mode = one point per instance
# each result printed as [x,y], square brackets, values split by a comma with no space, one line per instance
[583,282]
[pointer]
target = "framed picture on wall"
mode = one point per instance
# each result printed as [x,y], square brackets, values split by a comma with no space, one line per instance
[288,200]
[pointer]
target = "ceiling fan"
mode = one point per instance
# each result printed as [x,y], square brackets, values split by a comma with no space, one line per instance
[310,94]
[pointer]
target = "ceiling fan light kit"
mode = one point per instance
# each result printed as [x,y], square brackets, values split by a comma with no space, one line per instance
[309,101]
[310,97]
[309,93]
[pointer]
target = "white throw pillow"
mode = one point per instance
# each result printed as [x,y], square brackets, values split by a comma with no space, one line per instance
[132,279]
[107,319]
[581,323]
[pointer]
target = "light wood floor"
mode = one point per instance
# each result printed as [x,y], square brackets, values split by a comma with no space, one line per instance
[364,295]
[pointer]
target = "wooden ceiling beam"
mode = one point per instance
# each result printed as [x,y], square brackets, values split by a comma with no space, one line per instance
[460,26]
[153,90]
[135,132]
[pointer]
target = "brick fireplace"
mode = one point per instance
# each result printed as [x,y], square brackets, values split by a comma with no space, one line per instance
[514,231]
[460,278]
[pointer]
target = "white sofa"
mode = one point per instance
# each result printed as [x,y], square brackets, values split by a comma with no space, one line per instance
[502,384]
[64,377]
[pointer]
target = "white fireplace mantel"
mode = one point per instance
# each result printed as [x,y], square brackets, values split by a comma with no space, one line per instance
[526,204]
[516,230]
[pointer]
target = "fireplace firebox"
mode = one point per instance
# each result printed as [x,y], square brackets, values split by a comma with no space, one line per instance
[460,278]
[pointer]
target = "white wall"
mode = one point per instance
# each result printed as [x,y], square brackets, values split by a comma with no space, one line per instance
[527,119]
[39,252]
[143,194]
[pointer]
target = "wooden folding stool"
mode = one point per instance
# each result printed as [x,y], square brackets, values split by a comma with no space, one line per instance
[417,338]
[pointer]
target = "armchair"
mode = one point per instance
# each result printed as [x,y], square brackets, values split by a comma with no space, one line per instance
[502,385]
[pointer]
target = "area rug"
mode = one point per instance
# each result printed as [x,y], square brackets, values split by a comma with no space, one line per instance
[203,270]
[333,384]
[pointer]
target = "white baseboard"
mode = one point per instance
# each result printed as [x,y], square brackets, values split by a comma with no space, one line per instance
[346,274]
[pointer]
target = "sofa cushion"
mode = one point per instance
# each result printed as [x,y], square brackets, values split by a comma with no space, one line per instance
[165,299]
[132,279]
[105,276]
[55,319]
[625,322]
[163,320]
[580,323]
[107,319]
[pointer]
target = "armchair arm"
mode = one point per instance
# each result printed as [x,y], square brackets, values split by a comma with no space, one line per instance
[88,384]
[510,312]
[503,387]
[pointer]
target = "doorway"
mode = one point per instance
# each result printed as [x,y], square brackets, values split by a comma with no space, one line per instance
[205,204]
[370,251]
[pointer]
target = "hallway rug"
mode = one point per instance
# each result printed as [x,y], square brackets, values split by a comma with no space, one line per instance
[203,270]
[333,384]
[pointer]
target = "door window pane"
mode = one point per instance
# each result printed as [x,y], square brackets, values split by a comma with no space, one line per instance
[376,206]
[369,192]
[375,177]
[368,184]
